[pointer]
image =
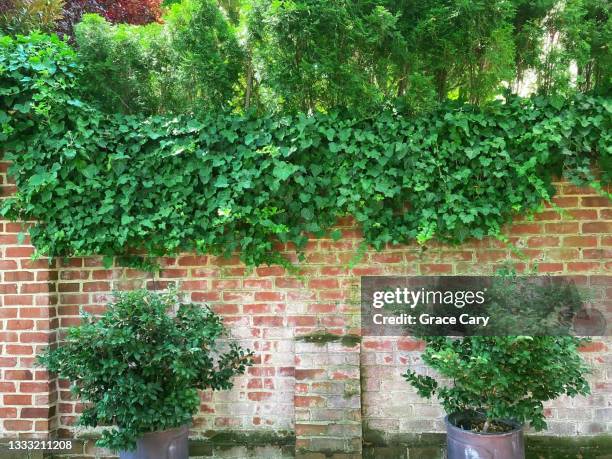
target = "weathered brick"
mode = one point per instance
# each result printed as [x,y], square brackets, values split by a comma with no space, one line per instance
[550,267]
[306,374]
[308,401]
[17,375]
[268,296]
[597,227]
[39,337]
[594,346]
[17,276]
[323,283]
[562,228]
[368,271]
[32,413]
[96,286]
[16,349]
[580,241]
[33,387]
[38,287]
[526,228]
[303,430]
[226,284]
[543,241]
[17,399]
[581,266]
[601,254]
[270,271]
[438,268]
[7,413]
[594,201]
[18,425]
[17,300]
[19,252]
[410,345]
[268,321]
[74,275]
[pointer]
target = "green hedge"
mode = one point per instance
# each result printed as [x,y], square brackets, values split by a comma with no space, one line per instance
[111,184]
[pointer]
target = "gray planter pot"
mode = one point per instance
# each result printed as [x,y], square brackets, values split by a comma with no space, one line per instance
[167,444]
[465,444]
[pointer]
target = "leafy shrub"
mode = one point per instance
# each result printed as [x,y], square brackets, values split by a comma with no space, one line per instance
[25,16]
[140,366]
[191,63]
[502,377]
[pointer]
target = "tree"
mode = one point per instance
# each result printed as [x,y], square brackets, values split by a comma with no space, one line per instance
[317,55]
[587,26]
[314,54]
[190,63]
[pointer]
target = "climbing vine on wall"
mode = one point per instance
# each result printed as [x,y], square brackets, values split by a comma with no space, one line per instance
[113,184]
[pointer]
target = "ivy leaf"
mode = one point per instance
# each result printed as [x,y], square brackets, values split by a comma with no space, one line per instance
[107,260]
[90,171]
[221,182]
[38,179]
[336,234]
[283,170]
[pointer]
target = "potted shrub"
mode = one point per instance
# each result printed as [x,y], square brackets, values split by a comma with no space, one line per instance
[499,383]
[138,369]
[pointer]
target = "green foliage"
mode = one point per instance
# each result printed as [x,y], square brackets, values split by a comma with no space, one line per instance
[528,27]
[108,184]
[37,76]
[319,55]
[464,47]
[502,377]
[587,26]
[25,16]
[139,367]
[210,58]
[577,35]
[126,68]
[315,55]
[191,63]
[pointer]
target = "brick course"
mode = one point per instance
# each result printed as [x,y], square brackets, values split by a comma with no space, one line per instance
[322,392]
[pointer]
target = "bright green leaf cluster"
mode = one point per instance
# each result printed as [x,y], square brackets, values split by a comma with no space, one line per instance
[111,184]
[139,367]
[502,377]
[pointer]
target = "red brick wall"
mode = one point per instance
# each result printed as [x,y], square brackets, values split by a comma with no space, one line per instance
[324,393]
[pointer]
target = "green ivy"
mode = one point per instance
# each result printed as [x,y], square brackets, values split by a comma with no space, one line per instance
[114,184]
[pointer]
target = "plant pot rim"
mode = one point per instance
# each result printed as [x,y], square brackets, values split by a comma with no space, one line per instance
[450,426]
